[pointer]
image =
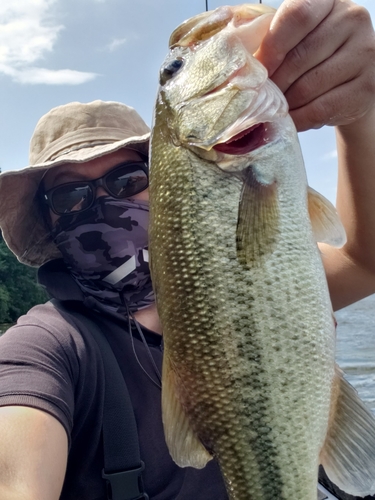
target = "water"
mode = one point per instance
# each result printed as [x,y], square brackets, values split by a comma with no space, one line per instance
[356,347]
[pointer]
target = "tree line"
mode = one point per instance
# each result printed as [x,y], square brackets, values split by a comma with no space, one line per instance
[19,290]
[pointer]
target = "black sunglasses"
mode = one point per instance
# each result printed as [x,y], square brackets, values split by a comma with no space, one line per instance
[124,181]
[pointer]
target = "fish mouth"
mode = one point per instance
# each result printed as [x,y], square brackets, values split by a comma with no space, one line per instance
[253,128]
[246,141]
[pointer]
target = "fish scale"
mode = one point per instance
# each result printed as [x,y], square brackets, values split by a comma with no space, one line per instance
[197,275]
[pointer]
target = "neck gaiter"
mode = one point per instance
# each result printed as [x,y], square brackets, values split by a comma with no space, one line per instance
[105,250]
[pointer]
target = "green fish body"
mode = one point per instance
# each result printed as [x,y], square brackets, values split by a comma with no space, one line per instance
[249,336]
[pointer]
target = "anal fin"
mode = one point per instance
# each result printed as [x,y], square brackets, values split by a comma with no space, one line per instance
[348,455]
[184,445]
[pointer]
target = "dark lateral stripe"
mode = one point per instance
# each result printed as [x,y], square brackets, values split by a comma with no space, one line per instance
[266,456]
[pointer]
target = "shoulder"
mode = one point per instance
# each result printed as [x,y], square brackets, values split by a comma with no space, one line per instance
[45,325]
[49,340]
[47,364]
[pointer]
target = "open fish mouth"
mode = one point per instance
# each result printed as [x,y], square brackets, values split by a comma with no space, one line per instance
[246,141]
[253,128]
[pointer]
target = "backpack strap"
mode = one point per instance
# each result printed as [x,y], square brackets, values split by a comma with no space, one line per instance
[122,462]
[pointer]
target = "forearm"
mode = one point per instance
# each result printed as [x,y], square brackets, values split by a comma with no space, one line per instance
[14,494]
[351,269]
[356,188]
[33,454]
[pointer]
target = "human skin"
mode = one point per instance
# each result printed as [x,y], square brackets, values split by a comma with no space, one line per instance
[309,51]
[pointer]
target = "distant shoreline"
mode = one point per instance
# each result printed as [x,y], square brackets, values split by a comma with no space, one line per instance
[4,327]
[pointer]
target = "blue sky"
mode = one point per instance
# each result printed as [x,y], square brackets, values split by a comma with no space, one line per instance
[56,51]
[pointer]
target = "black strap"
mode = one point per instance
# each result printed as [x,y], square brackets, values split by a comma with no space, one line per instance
[122,461]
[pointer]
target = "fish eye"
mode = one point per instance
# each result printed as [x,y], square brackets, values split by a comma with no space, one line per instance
[170,70]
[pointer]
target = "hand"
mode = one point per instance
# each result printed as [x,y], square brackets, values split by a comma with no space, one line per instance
[321,54]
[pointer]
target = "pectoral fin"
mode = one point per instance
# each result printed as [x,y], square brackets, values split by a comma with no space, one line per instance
[258,220]
[326,224]
[184,446]
[348,455]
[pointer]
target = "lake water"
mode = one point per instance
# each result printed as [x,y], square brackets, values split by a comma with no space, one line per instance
[356,347]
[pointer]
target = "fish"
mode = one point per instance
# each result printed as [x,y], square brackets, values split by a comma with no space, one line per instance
[249,376]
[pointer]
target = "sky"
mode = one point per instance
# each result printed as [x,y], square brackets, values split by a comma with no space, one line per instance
[56,51]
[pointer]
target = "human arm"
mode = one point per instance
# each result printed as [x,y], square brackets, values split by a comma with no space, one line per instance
[38,376]
[322,55]
[33,454]
[351,269]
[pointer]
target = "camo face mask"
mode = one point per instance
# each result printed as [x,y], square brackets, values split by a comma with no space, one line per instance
[105,249]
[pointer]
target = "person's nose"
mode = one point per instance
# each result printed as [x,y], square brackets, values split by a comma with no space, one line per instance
[100,191]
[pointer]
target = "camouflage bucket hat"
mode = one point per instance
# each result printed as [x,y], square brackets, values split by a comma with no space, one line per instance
[73,133]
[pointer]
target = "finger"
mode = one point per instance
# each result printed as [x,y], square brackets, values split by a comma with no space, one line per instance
[293,21]
[317,47]
[334,107]
[353,62]
[322,79]
[350,22]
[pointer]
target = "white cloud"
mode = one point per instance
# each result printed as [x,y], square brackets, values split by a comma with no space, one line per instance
[52,77]
[28,31]
[116,43]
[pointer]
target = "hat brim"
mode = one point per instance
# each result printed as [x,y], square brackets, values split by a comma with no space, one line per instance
[21,219]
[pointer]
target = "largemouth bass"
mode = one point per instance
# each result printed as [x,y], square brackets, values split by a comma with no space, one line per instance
[249,335]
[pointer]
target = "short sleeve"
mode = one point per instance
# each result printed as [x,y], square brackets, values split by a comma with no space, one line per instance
[39,366]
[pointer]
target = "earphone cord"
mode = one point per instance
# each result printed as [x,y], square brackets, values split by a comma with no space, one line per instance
[139,329]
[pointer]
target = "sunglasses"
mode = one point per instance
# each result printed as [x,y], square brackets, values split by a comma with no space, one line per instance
[124,181]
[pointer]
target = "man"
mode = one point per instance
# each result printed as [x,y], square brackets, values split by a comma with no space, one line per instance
[51,378]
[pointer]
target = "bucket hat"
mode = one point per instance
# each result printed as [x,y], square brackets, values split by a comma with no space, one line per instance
[75,133]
